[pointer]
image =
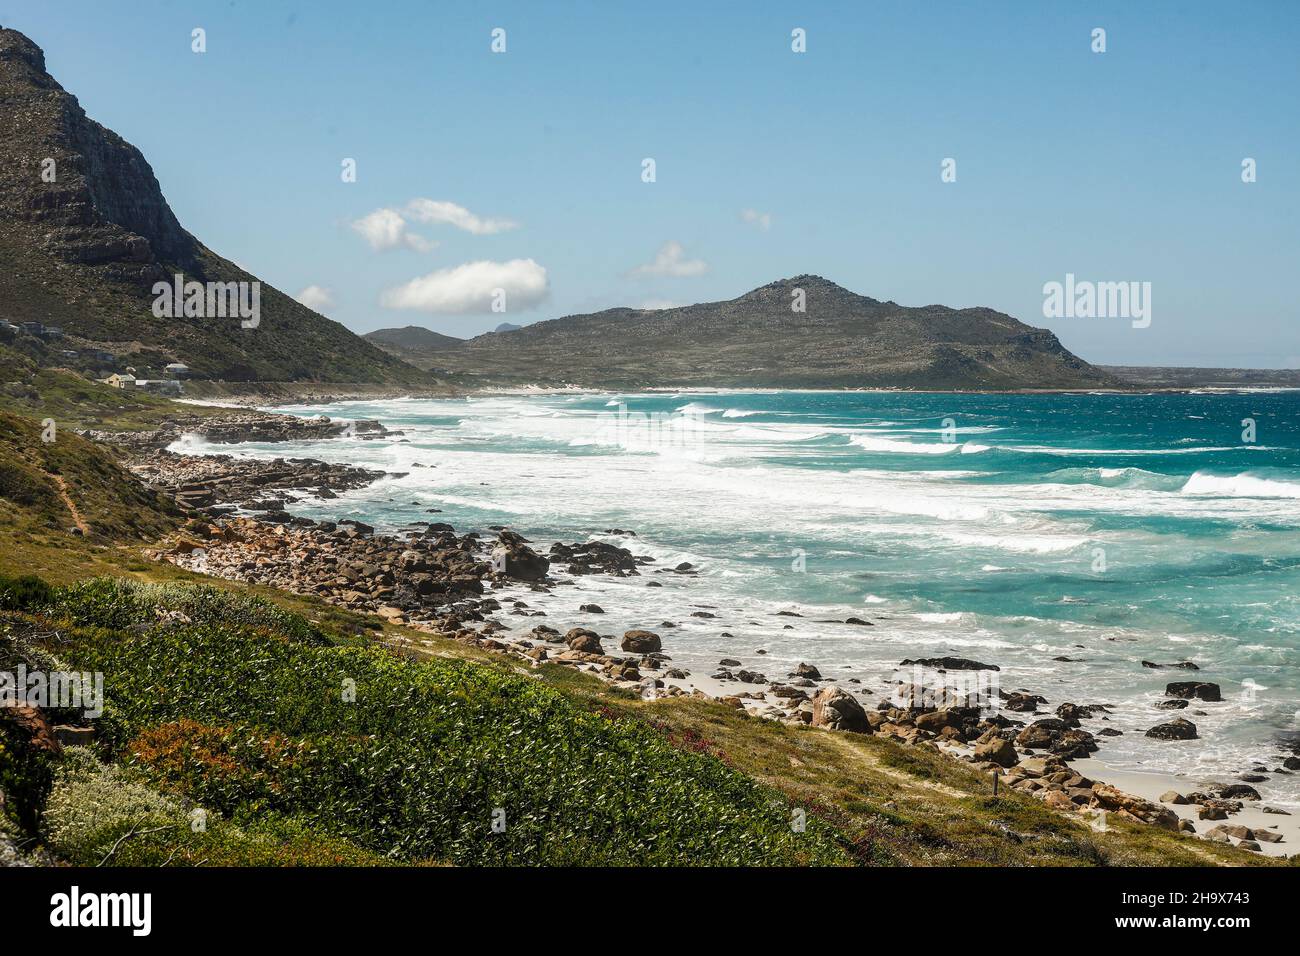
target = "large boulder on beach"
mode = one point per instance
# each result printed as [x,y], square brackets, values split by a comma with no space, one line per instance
[934,720]
[836,709]
[1041,734]
[641,642]
[1194,690]
[1237,791]
[517,560]
[1114,800]
[584,640]
[1180,729]
[999,750]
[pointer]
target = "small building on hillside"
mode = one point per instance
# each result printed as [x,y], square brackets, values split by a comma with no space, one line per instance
[101,356]
[32,328]
[176,370]
[51,332]
[119,380]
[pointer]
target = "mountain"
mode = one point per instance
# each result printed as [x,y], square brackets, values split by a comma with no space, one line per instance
[840,340]
[507,327]
[417,345]
[411,337]
[85,233]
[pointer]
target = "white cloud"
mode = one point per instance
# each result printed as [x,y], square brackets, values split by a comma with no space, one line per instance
[655,305]
[669,261]
[471,288]
[389,228]
[386,229]
[760,220]
[438,211]
[315,297]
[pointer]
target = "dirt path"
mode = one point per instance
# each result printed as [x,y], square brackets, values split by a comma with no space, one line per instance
[67,500]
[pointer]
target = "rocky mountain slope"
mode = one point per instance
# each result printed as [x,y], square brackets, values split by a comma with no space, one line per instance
[83,240]
[840,340]
[413,343]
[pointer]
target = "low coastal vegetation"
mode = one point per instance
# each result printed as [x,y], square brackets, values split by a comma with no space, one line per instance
[281,733]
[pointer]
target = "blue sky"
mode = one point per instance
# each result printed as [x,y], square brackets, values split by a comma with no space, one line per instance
[1115,166]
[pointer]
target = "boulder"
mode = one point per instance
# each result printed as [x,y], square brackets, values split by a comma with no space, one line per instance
[949,664]
[641,642]
[519,561]
[581,639]
[1238,791]
[999,751]
[1194,690]
[1058,800]
[32,727]
[1023,703]
[1180,729]
[1112,799]
[836,709]
[1034,737]
[933,721]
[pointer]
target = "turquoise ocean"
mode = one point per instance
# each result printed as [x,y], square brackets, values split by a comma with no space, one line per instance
[1014,529]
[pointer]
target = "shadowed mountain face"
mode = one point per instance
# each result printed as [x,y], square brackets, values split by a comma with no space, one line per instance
[839,340]
[85,233]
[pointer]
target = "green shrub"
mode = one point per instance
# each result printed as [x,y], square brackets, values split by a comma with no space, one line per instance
[121,605]
[246,711]
[99,814]
[27,593]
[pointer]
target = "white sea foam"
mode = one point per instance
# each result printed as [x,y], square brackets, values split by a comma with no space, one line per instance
[874,443]
[1055,450]
[1243,485]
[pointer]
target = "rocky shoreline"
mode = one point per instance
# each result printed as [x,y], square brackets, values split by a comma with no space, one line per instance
[236,427]
[467,587]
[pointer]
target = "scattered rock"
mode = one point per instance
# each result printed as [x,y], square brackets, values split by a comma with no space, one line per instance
[581,639]
[949,664]
[1194,690]
[998,751]
[1180,729]
[641,642]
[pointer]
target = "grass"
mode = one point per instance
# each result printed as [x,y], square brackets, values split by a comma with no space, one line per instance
[51,486]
